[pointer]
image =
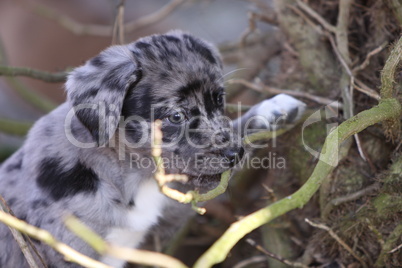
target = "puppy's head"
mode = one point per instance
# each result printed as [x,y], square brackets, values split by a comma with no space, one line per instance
[176,78]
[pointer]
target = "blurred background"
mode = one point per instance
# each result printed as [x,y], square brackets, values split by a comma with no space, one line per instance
[328,53]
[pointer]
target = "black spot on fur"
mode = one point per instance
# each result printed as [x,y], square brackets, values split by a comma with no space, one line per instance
[48,130]
[210,106]
[60,182]
[90,119]
[147,51]
[50,221]
[172,39]
[131,203]
[39,203]
[97,61]
[139,102]
[89,93]
[188,90]
[200,48]
[142,45]
[117,201]
[22,217]
[195,111]
[113,79]
[194,123]
[17,164]
[11,201]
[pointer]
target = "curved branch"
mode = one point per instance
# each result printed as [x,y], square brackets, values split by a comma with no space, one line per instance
[388,72]
[103,30]
[387,109]
[32,73]
[46,237]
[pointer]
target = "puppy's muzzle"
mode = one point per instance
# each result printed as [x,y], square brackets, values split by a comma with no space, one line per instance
[233,155]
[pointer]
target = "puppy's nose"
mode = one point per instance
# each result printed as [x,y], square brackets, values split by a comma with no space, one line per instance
[234,155]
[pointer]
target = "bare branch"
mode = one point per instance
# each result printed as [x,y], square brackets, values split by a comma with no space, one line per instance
[343,199]
[395,249]
[338,239]
[153,17]
[275,256]
[368,57]
[130,255]
[272,90]
[32,73]
[19,238]
[118,25]
[327,26]
[71,254]
[103,30]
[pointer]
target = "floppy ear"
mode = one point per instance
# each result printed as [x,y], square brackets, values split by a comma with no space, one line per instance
[97,90]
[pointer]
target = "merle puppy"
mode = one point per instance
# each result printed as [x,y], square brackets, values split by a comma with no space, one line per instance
[90,157]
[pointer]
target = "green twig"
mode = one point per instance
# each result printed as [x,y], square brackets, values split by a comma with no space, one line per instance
[70,254]
[162,178]
[32,73]
[27,94]
[387,109]
[12,127]
[131,255]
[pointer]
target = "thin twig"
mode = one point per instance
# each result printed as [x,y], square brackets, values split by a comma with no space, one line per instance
[338,239]
[368,57]
[273,255]
[42,235]
[360,86]
[12,127]
[347,198]
[143,257]
[32,73]
[395,249]
[272,90]
[27,94]
[327,26]
[8,210]
[19,238]
[118,25]
[153,17]
[103,30]
[162,178]
[248,262]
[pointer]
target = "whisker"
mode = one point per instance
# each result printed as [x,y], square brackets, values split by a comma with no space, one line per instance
[235,70]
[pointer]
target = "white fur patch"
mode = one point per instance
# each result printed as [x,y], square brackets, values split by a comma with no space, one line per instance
[281,104]
[149,202]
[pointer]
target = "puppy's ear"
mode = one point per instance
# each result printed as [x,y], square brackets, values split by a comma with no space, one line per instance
[97,90]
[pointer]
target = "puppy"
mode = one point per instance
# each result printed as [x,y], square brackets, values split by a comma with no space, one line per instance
[91,157]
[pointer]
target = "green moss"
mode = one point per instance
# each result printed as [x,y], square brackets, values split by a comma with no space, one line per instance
[387,205]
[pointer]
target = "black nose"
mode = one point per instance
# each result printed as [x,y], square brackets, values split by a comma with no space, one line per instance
[234,155]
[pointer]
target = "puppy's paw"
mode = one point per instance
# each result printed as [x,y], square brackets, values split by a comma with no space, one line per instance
[275,113]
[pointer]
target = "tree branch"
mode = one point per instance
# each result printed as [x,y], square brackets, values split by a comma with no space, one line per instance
[272,90]
[12,127]
[103,30]
[142,257]
[19,238]
[71,254]
[387,109]
[338,239]
[32,73]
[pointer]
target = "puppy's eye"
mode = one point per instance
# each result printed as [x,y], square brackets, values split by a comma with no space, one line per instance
[177,118]
[220,99]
